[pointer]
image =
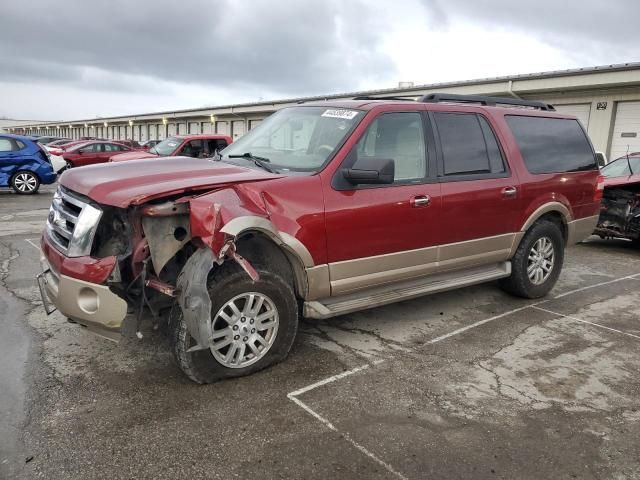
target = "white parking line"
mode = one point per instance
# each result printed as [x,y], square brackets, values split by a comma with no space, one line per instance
[571,317]
[293,395]
[570,292]
[30,242]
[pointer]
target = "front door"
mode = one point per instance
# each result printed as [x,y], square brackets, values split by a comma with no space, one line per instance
[378,234]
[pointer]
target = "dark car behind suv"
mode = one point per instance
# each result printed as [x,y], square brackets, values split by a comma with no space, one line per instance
[325,209]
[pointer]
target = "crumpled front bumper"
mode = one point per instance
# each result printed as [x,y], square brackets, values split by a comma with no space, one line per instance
[89,304]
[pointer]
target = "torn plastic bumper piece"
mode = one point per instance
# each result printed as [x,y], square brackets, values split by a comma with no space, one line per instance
[193,294]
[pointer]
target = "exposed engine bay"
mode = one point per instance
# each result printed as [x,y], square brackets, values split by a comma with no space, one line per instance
[620,213]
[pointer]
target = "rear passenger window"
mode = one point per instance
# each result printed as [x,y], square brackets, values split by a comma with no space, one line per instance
[20,144]
[468,144]
[552,145]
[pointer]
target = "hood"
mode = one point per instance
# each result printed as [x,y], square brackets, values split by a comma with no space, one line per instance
[134,155]
[133,183]
[610,182]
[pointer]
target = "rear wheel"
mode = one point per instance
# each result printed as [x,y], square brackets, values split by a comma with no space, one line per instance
[254,325]
[25,182]
[538,261]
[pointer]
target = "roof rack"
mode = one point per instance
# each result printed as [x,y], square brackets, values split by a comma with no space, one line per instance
[484,100]
[409,98]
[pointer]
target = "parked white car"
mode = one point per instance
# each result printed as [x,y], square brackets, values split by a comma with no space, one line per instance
[58,163]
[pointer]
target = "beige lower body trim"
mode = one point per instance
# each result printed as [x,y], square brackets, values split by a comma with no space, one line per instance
[580,229]
[362,273]
[87,303]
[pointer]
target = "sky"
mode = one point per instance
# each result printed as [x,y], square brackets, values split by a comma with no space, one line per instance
[78,59]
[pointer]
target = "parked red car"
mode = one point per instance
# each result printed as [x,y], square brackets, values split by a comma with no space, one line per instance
[620,210]
[59,149]
[88,153]
[324,209]
[197,146]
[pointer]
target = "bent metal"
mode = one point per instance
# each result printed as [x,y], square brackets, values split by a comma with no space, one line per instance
[325,209]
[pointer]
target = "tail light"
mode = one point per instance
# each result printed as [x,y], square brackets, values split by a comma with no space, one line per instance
[597,195]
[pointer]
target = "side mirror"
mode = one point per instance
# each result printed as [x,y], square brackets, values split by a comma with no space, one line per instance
[370,170]
[601,159]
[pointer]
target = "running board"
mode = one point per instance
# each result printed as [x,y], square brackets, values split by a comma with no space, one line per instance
[375,297]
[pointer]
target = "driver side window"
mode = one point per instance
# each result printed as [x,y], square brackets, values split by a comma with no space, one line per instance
[400,137]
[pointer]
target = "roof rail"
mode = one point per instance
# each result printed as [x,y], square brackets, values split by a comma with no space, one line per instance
[410,98]
[484,100]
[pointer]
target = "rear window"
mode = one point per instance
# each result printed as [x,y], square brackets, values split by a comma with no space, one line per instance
[552,145]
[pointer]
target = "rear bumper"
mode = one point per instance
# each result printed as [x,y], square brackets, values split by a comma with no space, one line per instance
[89,304]
[580,229]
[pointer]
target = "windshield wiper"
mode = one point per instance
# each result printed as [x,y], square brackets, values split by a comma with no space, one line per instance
[259,161]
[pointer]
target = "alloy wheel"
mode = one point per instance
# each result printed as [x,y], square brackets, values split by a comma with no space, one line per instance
[541,260]
[244,330]
[25,182]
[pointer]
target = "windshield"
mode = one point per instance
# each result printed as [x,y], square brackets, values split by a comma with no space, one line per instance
[298,139]
[620,167]
[166,147]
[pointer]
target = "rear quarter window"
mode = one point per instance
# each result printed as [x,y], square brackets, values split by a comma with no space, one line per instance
[552,145]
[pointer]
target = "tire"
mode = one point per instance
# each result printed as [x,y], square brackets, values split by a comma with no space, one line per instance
[227,283]
[25,182]
[520,283]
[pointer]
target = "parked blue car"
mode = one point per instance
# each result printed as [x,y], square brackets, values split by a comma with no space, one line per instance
[24,164]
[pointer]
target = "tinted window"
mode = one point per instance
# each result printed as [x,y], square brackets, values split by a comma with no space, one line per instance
[5,145]
[550,145]
[20,144]
[469,146]
[397,136]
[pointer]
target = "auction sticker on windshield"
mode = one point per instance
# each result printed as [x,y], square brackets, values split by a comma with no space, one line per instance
[344,114]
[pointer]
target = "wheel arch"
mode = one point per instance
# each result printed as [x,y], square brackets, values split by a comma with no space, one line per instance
[555,212]
[259,229]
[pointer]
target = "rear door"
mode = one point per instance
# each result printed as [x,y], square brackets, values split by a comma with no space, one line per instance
[480,193]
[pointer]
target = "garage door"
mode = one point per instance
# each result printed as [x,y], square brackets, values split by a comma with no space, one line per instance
[207,127]
[194,128]
[580,110]
[172,129]
[626,130]
[254,123]
[222,128]
[237,128]
[182,128]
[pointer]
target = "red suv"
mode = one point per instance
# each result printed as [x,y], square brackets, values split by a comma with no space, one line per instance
[324,209]
[196,146]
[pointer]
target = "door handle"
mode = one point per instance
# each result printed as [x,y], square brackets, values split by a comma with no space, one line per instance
[421,201]
[509,192]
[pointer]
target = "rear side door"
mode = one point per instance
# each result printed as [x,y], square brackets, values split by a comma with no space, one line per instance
[111,149]
[379,234]
[481,198]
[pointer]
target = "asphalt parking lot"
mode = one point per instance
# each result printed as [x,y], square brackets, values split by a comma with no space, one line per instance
[466,384]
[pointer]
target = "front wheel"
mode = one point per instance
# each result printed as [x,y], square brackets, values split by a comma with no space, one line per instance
[25,182]
[253,326]
[537,262]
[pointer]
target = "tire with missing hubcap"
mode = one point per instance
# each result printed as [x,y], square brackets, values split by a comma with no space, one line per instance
[253,324]
[537,262]
[25,182]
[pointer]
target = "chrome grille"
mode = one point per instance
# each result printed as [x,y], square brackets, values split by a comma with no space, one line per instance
[72,224]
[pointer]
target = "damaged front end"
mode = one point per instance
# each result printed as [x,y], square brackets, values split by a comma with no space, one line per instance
[173,264]
[620,213]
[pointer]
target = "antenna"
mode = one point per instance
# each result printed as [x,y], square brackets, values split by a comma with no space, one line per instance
[629,161]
